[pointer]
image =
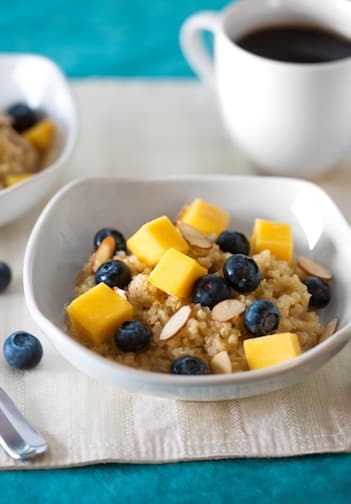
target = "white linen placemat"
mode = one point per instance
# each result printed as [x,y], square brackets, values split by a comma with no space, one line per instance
[141,129]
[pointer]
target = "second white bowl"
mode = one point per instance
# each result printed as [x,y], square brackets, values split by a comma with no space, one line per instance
[38,82]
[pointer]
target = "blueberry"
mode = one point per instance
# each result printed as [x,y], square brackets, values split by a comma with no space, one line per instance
[132,336]
[120,241]
[261,317]
[5,276]
[22,350]
[23,116]
[188,365]
[319,290]
[233,242]
[209,290]
[114,274]
[242,273]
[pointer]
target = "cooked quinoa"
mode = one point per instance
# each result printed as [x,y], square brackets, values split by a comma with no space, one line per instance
[202,337]
[17,154]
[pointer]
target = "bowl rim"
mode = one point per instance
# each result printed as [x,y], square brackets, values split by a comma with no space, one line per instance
[72,130]
[340,337]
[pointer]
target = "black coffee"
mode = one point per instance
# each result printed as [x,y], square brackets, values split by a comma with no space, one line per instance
[296,44]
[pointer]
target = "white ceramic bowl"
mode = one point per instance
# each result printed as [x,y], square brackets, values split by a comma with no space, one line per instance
[62,238]
[38,82]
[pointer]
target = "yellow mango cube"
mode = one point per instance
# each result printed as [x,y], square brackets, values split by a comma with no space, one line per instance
[274,236]
[98,313]
[205,217]
[176,273]
[154,238]
[11,180]
[41,134]
[271,350]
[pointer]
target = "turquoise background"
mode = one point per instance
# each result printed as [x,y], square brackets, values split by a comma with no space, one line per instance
[140,39]
[129,38]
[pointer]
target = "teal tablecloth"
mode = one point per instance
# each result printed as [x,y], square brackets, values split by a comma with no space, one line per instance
[135,38]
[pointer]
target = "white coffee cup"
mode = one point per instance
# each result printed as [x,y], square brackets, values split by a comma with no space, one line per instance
[288,118]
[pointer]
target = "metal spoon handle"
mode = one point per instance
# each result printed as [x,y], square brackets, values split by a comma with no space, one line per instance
[17,436]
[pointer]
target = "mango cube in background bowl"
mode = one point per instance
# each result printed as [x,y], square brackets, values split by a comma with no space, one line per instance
[16,179]
[41,135]
[38,82]
[319,229]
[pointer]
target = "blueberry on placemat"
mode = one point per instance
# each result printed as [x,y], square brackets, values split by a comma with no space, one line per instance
[5,276]
[22,350]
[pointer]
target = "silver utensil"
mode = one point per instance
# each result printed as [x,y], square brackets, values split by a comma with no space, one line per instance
[17,436]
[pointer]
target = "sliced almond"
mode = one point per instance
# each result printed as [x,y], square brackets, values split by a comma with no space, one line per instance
[329,329]
[221,363]
[122,293]
[312,268]
[176,323]
[104,252]
[227,310]
[193,236]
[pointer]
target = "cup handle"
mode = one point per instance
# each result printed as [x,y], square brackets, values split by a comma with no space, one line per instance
[193,47]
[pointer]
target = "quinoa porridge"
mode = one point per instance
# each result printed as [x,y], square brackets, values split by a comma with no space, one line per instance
[25,141]
[282,284]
